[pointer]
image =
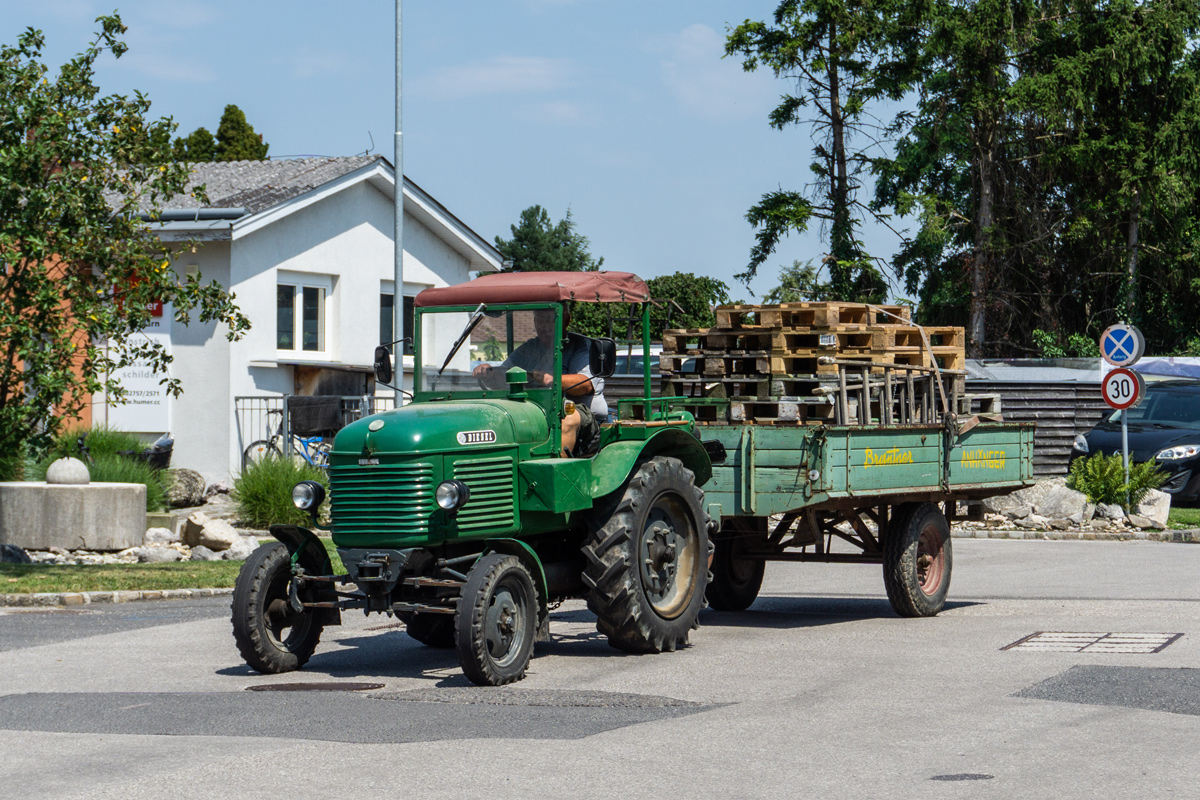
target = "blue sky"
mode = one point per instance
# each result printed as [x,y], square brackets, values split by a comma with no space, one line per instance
[622,110]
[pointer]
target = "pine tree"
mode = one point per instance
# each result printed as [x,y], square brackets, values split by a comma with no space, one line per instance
[197,147]
[538,245]
[236,139]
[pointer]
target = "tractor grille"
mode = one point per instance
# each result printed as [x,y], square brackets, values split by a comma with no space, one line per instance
[391,500]
[492,491]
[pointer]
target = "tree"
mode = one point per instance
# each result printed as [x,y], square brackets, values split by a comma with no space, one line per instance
[681,300]
[79,269]
[843,54]
[236,139]
[1052,162]
[198,147]
[538,245]
[798,283]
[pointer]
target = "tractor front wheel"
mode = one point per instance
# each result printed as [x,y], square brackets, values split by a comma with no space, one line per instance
[647,567]
[271,635]
[496,621]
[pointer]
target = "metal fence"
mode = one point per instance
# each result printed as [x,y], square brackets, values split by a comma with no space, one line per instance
[270,417]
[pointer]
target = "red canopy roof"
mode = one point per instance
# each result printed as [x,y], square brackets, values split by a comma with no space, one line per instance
[540,287]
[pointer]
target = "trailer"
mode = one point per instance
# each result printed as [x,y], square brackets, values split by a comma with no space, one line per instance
[839,423]
[889,492]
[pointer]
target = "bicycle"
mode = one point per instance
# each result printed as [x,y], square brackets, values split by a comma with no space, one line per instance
[312,450]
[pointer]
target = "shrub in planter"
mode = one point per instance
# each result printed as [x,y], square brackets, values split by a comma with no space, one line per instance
[106,465]
[263,492]
[1102,479]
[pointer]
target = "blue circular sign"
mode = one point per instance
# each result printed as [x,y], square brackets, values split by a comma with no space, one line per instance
[1122,345]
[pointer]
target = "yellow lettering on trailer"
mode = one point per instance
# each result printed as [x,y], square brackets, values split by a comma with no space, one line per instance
[983,459]
[887,458]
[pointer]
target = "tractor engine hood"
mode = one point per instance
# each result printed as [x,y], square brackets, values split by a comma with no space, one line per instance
[444,426]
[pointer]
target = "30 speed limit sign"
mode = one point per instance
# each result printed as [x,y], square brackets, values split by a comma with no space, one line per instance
[1123,388]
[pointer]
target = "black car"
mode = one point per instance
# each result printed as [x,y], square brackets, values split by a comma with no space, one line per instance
[1164,427]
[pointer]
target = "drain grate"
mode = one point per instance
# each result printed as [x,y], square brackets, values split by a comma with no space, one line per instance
[315,687]
[1065,642]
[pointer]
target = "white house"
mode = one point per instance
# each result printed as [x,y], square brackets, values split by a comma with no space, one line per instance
[306,246]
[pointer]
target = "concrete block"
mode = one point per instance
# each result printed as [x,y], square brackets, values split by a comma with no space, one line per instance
[96,516]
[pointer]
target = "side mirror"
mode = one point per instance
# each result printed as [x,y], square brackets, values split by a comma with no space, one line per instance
[383,365]
[602,359]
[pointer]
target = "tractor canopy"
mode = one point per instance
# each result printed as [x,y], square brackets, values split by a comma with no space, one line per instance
[540,287]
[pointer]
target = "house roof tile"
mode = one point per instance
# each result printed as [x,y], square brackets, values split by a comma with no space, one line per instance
[259,185]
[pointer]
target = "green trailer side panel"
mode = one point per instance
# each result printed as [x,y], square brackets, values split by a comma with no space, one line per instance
[990,456]
[774,490]
[861,462]
[767,469]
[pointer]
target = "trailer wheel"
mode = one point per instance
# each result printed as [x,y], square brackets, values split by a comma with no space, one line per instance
[647,567]
[917,560]
[270,635]
[496,621]
[431,630]
[736,579]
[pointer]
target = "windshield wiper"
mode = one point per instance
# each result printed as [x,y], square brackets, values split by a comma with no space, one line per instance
[476,316]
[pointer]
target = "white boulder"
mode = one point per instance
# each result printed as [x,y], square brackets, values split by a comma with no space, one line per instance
[215,534]
[1156,507]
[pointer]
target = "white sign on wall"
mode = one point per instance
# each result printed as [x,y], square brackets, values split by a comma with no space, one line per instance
[147,407]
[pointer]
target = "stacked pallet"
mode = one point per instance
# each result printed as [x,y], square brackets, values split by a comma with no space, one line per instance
[794,363]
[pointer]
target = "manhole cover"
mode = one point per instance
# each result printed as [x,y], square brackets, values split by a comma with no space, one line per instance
[964,776]
[1065,642]
[315,687]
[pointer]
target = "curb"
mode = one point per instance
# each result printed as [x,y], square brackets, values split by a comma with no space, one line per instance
[1179,536]
[71,599]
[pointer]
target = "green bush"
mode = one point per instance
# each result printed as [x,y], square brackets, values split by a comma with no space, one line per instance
[263,492]
[14,466]
[1102,479]
[106,465]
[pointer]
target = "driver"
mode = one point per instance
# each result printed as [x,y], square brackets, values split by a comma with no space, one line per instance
[580,428]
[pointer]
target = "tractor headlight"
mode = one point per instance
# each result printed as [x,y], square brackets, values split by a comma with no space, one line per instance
[1179,451]
[308,495]
[1080,444]
[452,495]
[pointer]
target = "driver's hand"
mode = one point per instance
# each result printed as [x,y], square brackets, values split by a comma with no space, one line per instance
[481,370]
[547,379]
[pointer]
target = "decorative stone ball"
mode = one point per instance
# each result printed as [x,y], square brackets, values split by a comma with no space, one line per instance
[68,470]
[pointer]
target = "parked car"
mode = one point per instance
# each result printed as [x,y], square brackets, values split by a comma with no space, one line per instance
[1164,427]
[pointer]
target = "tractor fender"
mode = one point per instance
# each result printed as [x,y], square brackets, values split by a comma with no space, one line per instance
[614,464]
[308,552]
[517,548]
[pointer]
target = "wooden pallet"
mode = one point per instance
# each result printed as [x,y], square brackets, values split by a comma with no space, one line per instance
[793,315]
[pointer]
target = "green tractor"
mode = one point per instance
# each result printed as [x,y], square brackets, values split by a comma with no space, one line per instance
[458,514]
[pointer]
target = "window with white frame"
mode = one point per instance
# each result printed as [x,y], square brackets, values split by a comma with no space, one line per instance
[300,316]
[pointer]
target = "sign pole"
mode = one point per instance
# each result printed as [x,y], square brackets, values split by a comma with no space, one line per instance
[1122,346]
[1125,451]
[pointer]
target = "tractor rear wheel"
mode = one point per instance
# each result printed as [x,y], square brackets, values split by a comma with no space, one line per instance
[647,567]
[917,560]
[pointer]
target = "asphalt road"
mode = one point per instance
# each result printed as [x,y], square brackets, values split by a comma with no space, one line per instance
[817,691]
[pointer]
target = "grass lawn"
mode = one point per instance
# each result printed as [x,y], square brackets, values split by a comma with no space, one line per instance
[1184,517]
[33,578]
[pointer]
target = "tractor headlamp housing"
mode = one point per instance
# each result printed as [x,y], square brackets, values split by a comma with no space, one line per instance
[308,495]
[452,495]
